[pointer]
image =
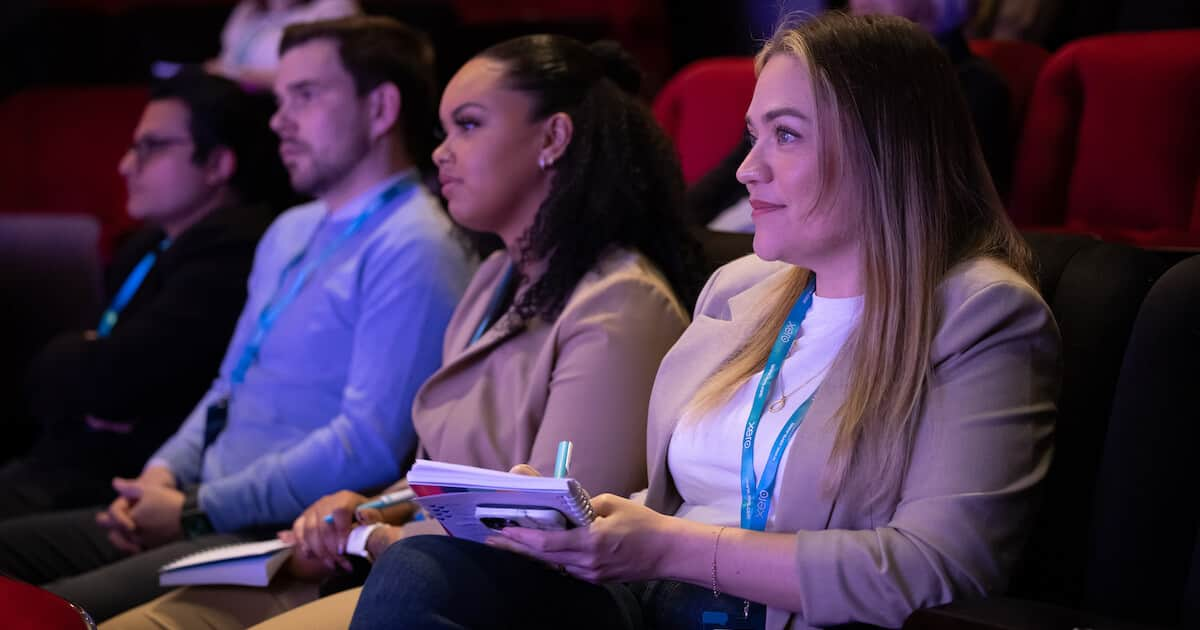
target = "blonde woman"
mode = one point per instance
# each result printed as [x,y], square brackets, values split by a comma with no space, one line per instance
[858,420]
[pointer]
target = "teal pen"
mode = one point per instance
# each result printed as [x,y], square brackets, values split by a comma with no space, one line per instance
[562,461]
[386,500]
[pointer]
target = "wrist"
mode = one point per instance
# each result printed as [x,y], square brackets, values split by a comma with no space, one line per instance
[193,520]
[158,473]
[686,550]
[358,542]
[380,539]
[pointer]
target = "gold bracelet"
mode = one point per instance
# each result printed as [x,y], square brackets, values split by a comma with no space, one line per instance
[716,543]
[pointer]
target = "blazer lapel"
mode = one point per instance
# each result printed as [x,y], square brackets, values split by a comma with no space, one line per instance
[491,338]
[704,346]
[458,337]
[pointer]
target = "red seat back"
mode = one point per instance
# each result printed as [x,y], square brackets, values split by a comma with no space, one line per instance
[61,148]
[703,109]
[28,607]
[1111,142]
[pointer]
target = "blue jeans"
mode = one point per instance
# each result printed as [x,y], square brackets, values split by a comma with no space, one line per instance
[444,583]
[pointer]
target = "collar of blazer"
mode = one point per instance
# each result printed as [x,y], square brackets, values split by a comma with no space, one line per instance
[488,278]
[715,334]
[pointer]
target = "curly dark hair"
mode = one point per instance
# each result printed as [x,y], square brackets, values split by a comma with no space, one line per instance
[618,181]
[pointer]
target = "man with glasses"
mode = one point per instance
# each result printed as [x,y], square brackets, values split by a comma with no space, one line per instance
[348,302]
[202,176]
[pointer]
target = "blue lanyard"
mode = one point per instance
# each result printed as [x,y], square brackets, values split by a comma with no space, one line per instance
[756,496]
[129,288]
[282,299]
[492,313]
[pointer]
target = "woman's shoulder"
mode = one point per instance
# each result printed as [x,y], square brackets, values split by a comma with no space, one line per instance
[743,275]
[628,280]
[984,298]
[982,275]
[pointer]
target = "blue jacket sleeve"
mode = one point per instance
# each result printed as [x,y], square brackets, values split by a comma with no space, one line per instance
[406,302]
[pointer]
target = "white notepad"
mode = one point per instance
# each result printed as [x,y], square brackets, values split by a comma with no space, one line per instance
[245,564]
[451,493]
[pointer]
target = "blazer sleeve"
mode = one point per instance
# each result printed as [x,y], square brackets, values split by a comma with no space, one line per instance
[982,447]
[609,346]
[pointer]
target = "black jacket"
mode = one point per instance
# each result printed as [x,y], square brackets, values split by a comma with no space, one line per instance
[167,346]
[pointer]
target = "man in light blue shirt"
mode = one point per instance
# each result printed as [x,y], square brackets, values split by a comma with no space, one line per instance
[348,301]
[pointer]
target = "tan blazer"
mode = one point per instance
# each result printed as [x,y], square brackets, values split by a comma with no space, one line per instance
[982,446]
[511,396]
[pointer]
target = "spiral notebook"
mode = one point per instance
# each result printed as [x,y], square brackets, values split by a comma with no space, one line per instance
[452,493]
[245,564]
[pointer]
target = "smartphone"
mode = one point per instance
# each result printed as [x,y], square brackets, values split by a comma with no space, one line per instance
[498,517]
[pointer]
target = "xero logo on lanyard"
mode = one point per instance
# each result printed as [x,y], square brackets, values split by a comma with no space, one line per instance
[282,299]
[756,495]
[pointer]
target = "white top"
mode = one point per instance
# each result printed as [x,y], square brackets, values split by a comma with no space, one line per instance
[250,39]
[705,455]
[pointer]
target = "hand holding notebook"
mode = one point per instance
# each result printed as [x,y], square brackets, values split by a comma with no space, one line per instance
[473,502]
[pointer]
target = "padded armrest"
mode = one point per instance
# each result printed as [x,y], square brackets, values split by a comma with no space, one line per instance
[1002,613]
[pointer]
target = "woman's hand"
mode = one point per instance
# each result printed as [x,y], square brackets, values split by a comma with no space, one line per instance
[324,542]
[626,542]
[381,538]
[304,566]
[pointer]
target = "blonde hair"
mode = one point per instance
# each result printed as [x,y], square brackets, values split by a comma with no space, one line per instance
[895,134]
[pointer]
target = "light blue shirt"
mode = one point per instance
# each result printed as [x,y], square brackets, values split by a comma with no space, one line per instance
[327,406]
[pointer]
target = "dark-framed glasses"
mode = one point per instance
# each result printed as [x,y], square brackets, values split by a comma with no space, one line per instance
[147,147]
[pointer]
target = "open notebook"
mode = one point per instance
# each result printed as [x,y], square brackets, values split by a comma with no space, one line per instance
[453,494]
[245,564]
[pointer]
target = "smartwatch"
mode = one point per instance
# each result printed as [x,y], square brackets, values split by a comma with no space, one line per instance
[193,520]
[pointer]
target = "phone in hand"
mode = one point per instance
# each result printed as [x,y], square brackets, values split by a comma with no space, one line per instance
[498,517]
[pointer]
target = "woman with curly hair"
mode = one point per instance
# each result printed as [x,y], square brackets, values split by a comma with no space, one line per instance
[559,334]
[858,420]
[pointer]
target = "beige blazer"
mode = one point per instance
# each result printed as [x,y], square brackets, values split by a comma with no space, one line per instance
[982,447]
[511,396]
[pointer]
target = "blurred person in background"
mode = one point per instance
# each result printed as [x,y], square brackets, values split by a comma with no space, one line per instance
[203,175]
[349,297]
[558,335]
[250,39]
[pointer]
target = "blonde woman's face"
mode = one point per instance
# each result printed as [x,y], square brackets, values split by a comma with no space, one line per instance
[782,172]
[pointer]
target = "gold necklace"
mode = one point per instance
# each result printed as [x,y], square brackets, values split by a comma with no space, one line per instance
[778,405]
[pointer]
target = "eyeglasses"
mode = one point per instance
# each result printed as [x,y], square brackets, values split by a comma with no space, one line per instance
[147,147]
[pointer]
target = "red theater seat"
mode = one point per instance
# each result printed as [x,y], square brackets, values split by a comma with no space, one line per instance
[61,148]
[27,607]
[1111,143]
[703,109]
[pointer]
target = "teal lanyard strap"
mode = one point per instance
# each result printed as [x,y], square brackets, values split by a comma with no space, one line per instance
[756,495]
[279,302]
[129,288]
[493,310]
